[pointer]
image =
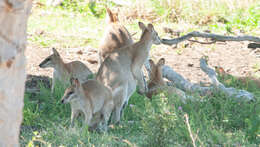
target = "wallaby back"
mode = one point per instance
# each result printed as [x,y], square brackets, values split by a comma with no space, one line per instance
[115,36]
[64,71]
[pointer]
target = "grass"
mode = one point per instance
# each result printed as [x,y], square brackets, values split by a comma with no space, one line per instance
[217,121]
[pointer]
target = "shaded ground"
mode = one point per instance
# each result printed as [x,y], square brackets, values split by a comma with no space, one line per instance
[234,57]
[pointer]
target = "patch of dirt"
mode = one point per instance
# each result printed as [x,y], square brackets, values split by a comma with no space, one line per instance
[234,57]
[34,81]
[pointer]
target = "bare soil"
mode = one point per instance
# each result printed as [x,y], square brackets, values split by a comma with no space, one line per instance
[234,57]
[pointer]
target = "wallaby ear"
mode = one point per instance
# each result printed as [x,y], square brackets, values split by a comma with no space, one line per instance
[74,81]
[141,26]
[55,52]
[151,63]
[150,27]
[110,16]
[161,61]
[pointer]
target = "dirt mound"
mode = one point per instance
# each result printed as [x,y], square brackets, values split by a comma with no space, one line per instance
[34,82]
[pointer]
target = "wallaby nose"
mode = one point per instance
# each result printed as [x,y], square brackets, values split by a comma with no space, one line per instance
[40,65]
[62,101]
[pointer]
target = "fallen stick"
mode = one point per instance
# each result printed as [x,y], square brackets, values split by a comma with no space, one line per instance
[219,86]
[178,81]
[215,37]
[183,84]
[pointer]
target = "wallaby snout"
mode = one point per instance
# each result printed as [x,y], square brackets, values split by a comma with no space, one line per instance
[44,63]
[41,65]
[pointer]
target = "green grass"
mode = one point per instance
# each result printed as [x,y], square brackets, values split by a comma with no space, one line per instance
[77,25]
[217,121]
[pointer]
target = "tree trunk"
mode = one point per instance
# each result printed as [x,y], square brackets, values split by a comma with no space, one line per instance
[13,23]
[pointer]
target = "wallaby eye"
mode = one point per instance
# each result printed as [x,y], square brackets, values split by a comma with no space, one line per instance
[70,93]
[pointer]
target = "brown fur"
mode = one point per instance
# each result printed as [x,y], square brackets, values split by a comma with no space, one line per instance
[64,71]
[121,70]
[93,99]
[115,36]
[156,84]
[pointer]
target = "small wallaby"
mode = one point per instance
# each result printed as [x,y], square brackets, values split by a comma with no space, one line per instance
[221,72]
[156,83]
[91,98]
[64,71]
[121,70]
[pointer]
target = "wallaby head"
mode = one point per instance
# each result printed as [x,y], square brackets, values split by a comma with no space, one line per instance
[51,60]
[111,17]
[70,93]
[220,70]
[149,33]
[156,78]
[156,72]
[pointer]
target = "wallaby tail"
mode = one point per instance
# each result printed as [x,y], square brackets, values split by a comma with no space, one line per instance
[111,17]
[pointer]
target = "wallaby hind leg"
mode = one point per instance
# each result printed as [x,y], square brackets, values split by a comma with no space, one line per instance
[105,114]
[119,99]
[88,113]
[88,117]
[74,115]
[95,121]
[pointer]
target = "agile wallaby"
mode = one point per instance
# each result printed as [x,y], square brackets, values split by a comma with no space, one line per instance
[115,36]
[247,79]
[91,98]
[156,83]
[64,71]
[121,70]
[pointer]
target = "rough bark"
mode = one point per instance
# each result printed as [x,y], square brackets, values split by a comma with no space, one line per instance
[13,22]
[183,84]
[253,45]
[215,37]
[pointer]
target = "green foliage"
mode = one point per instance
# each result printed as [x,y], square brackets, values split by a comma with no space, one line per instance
[94,8]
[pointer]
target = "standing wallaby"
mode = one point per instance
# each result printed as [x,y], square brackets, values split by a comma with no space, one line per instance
[115,36]
[121,70]
[91,98]
[64,71]
[156,83]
